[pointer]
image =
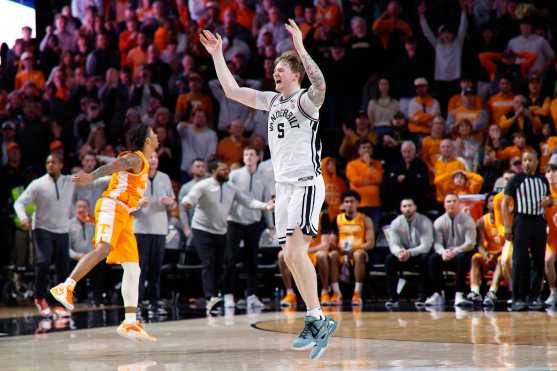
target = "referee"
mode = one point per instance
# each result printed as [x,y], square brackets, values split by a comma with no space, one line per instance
[530,193]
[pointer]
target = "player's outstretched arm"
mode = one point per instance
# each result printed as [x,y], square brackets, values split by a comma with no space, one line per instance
[213,45]
[316,91]
[127,162]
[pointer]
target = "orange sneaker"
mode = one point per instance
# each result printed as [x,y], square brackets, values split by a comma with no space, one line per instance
[356,299]
[63,294]
[134,332]
[336,299]
[289,300]
[325,298]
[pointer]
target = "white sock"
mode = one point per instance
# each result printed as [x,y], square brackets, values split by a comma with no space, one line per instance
[475,290]
[335,287]
[131,318]
[458,296]
[553,290]
[315,312]
[130,284]
[290,291]
[70,283]
[358,286]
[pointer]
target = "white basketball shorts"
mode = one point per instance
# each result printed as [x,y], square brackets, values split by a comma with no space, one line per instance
[298,206]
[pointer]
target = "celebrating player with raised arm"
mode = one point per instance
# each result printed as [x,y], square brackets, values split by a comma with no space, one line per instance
[114,238]
[296,156]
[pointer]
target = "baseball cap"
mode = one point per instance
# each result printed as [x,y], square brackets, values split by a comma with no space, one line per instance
[8,125]
[26,55]
[553,161]
[420,81]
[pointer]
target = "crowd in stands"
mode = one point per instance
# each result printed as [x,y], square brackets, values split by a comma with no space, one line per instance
[426,102]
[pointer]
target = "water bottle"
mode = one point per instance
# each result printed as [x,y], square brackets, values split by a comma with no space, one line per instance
[277,296]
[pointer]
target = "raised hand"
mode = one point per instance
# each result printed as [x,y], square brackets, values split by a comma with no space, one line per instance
[82,179]
[296,33]
[212,43]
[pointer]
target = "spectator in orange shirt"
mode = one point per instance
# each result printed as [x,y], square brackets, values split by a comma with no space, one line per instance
[469,109]
[491,166]
[389,23]
[505,64]
[128,40]
[431,143]
[350,142]
[29,73]
[334,187]
[365,175]
[244,14]
[520,119]
[517,149]
[502,102]
[456,101]
[231,148]
[195,98]
[422,108]
[329,14]
[137,56]
[548,144]
[459,182]
[310,20]
[447,162]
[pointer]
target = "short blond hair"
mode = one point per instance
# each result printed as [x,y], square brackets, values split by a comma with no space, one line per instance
[291,58]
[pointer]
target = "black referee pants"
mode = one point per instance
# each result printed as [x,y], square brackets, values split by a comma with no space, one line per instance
[210,248]
[50,247]
[151,254]
[250,235]
[529,239]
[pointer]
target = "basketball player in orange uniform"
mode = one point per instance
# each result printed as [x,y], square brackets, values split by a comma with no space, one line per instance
[489,249]
[355,237]
[114,238]
[551,247]
[318,253]
[504,262]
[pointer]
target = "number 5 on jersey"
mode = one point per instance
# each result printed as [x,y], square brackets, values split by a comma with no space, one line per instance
[280,128]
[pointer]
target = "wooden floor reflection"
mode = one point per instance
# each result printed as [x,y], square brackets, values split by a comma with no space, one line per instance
[365,341]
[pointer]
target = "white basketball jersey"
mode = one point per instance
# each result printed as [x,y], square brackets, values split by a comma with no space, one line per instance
[292,134]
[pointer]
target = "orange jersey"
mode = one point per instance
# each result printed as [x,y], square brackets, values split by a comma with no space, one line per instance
[498,212]
[351,231]
[127,188]
[551,217]
[493,242]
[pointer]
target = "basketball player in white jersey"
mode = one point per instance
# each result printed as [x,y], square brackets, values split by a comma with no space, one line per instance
[296,155]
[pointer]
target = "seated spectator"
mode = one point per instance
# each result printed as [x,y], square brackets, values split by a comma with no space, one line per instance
[538,105]
[466,88]
[458,182]
[355,236]
[381,111]
[492,167]
[490,245]
[389,26]
[410,238]
[447,162]
[466,146]
[406,178]
[334,187]
[329,13]
[431,143]
[455,239]
[468,108]
[517,149]
[502,102]
[365,175]
[350,142]
[29,73]
[389,144]
[137,56]
[198,141]
[422,108]
[533,43]
[548,143]
[274,25]
[521,119]
[231,149]
[318,252]
[309,22]
[195,98]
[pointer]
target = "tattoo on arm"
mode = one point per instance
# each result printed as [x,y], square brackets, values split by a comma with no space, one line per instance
[316,92]
[128,162]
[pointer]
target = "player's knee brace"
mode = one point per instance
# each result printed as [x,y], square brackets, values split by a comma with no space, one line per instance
[130,284]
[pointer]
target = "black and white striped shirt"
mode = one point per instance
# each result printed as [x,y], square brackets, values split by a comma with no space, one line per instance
[528,192]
